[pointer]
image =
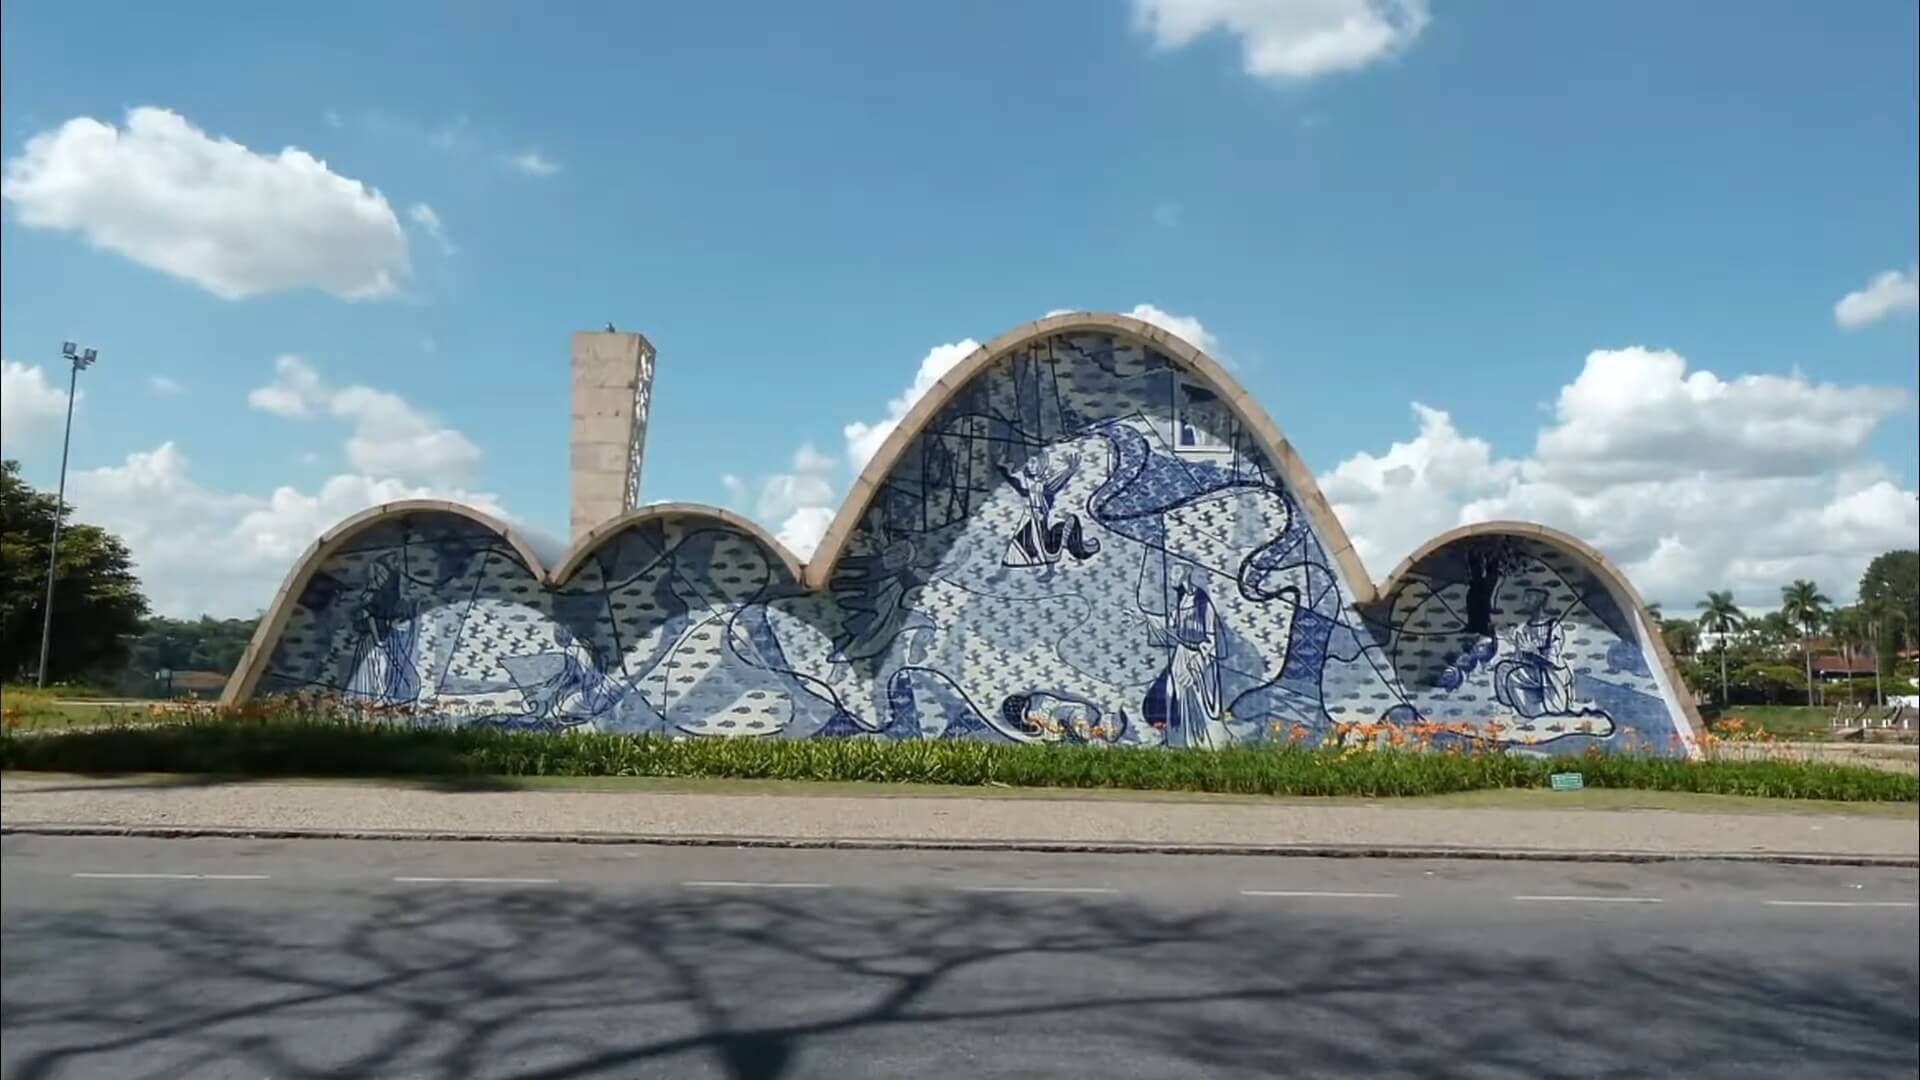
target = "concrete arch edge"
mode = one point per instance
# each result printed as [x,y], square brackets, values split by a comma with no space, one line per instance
[1690,727]
[1260,427]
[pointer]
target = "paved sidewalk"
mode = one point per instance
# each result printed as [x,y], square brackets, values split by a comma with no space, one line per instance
[1034,823]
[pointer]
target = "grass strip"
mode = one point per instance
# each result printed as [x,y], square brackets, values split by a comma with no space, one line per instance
[325,746]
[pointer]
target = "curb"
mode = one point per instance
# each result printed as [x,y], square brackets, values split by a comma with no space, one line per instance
[1100,847]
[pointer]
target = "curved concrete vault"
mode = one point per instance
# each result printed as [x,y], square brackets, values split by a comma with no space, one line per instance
[1086,531]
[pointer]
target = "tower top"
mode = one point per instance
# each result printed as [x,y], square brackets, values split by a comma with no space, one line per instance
[612,394]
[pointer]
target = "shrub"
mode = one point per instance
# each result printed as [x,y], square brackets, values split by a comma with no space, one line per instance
[318,744]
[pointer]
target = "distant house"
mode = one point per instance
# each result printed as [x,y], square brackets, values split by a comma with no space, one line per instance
[200,684]
[1841,668]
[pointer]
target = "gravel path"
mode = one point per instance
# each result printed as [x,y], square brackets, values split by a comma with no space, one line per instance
[937,820]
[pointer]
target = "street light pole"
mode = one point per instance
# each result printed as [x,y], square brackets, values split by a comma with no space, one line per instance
[80,358]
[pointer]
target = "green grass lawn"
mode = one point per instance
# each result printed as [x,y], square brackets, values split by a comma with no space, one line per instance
[29,708]
[1783,721]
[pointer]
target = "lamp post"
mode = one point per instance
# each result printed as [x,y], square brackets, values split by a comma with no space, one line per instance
[80,359]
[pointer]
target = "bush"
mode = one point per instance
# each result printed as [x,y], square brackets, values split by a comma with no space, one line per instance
[318,745]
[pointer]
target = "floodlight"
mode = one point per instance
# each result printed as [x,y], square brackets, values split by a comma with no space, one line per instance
[89,357]
[68,348]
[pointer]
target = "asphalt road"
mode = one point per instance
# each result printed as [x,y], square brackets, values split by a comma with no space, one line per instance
[309,958]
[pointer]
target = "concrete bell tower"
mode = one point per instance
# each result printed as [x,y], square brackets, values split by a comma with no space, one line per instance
[612,391]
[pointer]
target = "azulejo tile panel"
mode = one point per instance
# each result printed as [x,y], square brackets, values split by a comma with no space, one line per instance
[1085,543]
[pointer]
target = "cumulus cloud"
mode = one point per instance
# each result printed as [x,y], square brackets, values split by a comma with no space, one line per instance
[865,437]
[1294,40]
[532,163]
[428,219]
[1634,413]
[30,404]
[798,504]
[161,386]
[1687,480]
[232,220]
[1186,327]
[390,436]
[1889,293]
[1392,502]
[202,551]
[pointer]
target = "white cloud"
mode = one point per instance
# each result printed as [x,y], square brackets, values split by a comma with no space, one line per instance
[30,404]
[1688,481]
[864,438]
[1290,40]
[1887,294]
[1186,327]
[222,553]
[1393,502]
[803,530]
[161,386]
[532,163]
[1634,413]
[807,485]
[390,436]
[235,222]
[429,221]
[295,384]
[800,502]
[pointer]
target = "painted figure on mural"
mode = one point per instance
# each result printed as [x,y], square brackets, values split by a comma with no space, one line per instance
[1185,700]
[1040,540]
[579,691]
[1532,680]
[875,593]
[943,476]
[385,623]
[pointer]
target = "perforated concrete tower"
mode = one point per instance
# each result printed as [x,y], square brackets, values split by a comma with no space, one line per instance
[612,387]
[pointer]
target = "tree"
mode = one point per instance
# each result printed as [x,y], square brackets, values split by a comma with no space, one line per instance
[1804,605]
[1878,615]
[1852,634]
[97,600]
[1891,587]
[1772,632]
[1681,636]
[1720,615]
[204,644]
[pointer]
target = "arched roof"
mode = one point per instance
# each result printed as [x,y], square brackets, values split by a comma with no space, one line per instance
[818,571]
[1603,568]
[254,661]
[601,534]
[1294,473]
[260,649]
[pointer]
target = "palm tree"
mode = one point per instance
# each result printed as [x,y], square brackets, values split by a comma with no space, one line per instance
[1850,632]
[1719,615]
[1876,615]
[1681,636]
[1806,607]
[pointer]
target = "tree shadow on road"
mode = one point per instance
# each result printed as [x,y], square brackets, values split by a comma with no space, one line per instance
[551,982]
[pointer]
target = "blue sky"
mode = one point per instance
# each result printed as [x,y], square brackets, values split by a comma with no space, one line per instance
[1362,203]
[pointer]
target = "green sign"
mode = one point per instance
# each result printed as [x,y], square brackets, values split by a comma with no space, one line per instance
[1567,781]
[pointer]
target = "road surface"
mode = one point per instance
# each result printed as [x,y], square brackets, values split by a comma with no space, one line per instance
[310,958]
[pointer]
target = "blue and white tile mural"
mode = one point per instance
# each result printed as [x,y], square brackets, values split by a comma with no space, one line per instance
[1082,545]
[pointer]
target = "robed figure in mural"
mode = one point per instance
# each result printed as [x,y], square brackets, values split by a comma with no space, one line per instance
[1040,540]
[1532,680]
[386,625]
[1185,701]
